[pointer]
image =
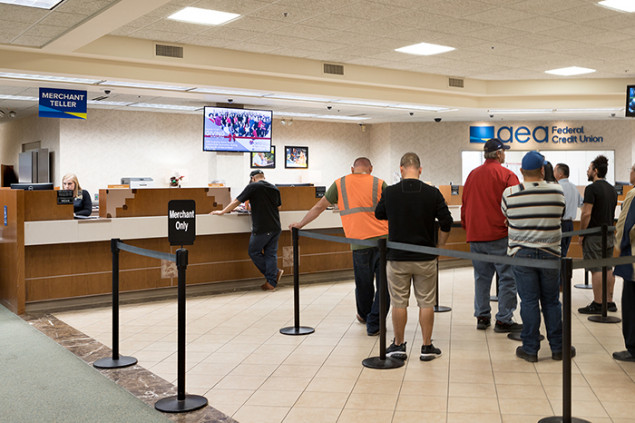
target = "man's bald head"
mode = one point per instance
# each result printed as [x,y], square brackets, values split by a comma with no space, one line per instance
[362,165]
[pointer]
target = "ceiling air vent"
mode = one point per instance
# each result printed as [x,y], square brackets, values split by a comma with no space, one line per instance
[168,51]
[332,69]
[455,82]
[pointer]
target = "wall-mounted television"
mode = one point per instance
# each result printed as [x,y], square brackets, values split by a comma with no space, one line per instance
[236,130]
[630,101]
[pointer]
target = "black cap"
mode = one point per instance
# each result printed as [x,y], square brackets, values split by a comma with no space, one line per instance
[494,144]
[256,172]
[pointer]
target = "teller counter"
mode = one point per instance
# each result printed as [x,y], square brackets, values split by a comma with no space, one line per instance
[46,261]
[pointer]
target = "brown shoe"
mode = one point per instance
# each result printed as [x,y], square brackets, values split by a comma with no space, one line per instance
[267,287]
[279,275]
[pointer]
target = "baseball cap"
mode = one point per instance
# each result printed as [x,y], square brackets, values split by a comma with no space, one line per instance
[494,144]
[533,160]
[256,172]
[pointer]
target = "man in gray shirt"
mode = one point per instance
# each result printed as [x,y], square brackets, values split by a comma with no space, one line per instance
[572,199]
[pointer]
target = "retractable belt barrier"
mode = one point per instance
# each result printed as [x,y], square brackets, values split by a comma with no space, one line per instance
[181,402]
[565,265]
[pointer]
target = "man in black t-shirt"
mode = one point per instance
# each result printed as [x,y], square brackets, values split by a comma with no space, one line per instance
[598,208]
[411,208]
[264,199]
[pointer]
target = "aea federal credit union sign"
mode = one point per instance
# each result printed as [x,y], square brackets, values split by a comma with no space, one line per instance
[554,134]
[68,104]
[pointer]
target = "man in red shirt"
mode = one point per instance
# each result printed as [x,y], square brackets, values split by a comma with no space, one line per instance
[486,231]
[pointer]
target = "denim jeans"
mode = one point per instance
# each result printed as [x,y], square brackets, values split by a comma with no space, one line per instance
[483,273]
[263,250]
[366,268]
[567,226]
[539,288]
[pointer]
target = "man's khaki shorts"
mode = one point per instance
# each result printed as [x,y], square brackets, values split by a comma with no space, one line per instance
[423,275]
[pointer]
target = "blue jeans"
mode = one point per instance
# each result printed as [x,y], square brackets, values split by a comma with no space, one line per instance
[483,273]
[263,250]
[366,268]
[539,288]
[567,226]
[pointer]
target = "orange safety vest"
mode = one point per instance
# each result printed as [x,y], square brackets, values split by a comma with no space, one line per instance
[357,197]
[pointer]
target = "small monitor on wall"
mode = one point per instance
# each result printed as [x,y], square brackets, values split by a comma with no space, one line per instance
[33,186]
[236,130]
[630,101]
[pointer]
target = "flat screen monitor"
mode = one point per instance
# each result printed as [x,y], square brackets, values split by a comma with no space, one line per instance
[236,130]
[33,186]
[630,101]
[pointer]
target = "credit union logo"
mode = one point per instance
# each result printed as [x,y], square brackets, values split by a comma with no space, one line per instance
[480,134]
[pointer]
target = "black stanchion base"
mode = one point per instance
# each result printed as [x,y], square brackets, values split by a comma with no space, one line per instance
[111,363]
[442,309]
[300,330]
[493,298]
[387,363]
[583,286]
[558,419]
[515,336]
[607,319]
[175,405]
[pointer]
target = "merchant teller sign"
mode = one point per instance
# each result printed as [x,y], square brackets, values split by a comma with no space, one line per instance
[181,222]
[56,103]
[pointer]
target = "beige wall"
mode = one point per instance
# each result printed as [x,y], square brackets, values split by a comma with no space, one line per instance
[112,144]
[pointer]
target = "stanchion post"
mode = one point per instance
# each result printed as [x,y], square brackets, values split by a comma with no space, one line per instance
[438,308]
[296,329]
[116,361]
[603,318]
[566,272]
[382,362]
[182,402]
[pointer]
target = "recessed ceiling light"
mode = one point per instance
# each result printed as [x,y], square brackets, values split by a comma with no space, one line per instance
[571,70]
[621,5]
[203,16]
[17,97]
[424,49]
[317,116]
[48,78]
[40,4]
[165,106]
[145,85]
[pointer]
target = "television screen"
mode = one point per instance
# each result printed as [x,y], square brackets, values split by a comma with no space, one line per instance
[630,101]
[236,130]
[33,186]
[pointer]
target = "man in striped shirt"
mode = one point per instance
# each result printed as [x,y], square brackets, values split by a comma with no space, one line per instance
[533,210]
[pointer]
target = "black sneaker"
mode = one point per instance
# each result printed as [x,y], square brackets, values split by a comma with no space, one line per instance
[611,306]
[501,327]
[593,308]
[532,358]
[558,355]
[624,356]
[429,352]
[483,323]
[397,351]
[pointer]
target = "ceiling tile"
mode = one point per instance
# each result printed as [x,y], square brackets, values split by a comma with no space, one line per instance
[21,13]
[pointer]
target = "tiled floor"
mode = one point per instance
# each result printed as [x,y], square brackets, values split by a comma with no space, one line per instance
[237,358]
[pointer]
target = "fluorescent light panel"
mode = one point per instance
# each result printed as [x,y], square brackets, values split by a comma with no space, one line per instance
[424,49]
[18,97]
[166,106]
[50,78]
[621,5]
[570,71]
[40,4]
[227,92]
[317,116]
[200,16]
[146,85]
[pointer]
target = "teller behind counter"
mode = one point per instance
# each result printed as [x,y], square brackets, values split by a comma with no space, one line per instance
[82,205]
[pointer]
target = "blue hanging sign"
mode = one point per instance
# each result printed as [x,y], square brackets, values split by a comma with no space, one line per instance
[68,104]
